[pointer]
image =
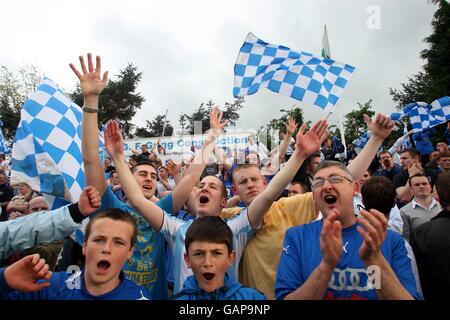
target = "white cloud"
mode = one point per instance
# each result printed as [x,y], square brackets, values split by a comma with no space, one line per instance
[187,49]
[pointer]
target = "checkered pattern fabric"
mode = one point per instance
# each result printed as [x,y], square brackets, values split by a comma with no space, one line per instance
[299,75]
[3,143]
[47,146]
[440,109]
[361,141]
[421,115]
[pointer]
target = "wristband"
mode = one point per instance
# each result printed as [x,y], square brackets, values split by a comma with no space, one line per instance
[90,110]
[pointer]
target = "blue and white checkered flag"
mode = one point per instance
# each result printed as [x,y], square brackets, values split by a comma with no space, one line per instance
[423,115]
[299,75]
[440,109]
[47,147]
[361,141]
[3,143]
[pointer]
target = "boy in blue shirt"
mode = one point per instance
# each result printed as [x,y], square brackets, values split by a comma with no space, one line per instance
[209,253]
[109,242]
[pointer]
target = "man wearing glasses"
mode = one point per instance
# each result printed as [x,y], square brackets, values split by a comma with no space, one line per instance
[343,256]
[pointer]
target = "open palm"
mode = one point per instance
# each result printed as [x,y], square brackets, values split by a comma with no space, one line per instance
[215,119]
[311,141]
[91,82]
[113,139]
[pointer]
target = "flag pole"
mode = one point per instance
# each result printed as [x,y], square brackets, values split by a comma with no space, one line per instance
[164,125]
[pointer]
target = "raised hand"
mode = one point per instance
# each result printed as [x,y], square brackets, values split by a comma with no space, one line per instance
[173,168]
[310,142]
[90,201]
[331,240]
[291,125]
[374,232]
[113,140]
[215,119]
[381,127]
[25,273]
[91,82]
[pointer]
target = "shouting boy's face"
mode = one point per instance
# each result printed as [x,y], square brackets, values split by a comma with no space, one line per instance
[209,262]
[107,249]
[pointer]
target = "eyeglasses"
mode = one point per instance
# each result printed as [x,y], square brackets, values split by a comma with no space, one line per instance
[334,179]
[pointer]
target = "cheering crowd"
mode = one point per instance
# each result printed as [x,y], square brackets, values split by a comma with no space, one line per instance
[301,223]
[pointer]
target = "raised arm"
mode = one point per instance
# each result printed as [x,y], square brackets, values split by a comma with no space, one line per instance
[114,146]
[380,129]
[92,85]
[174,170]
[306,144]
[221,156]
[181,192]
[290,130]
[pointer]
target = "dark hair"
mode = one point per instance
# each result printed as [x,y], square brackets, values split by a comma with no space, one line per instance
[385,151]
[378,193]
[443,189]
[312,156]
[114,214]
[412,152]
[209,229]
[142,162]
[445,154]
[211,169]
[416,176]
[222,185]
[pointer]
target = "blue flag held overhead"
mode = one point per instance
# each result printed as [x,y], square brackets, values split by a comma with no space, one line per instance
[300,75]
[47,146]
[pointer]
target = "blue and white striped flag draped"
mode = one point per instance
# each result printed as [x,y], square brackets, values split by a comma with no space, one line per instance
[47,146]
[3,143]
[299,75]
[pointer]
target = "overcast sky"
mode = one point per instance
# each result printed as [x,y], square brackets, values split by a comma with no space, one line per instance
[187,49]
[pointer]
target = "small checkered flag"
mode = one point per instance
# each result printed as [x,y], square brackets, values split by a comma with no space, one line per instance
[299,75]
[3,143]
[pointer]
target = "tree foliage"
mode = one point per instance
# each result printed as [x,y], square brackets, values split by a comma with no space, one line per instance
[279,124]
[354,123]
[119,100]
[155,128]
[433,81]
[188,122]
[14,91]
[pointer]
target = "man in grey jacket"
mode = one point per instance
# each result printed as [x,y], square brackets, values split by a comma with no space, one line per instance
[46,226]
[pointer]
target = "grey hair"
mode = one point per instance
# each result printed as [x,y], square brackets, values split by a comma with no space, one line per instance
[332,163]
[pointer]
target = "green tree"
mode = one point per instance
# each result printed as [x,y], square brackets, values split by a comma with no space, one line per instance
[433,81]
[201,114]
[155,128]
[354,124]
[14,91]
[279,124]
[119,100]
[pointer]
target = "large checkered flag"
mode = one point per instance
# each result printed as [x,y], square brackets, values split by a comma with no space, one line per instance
[47,147]
[299,75]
